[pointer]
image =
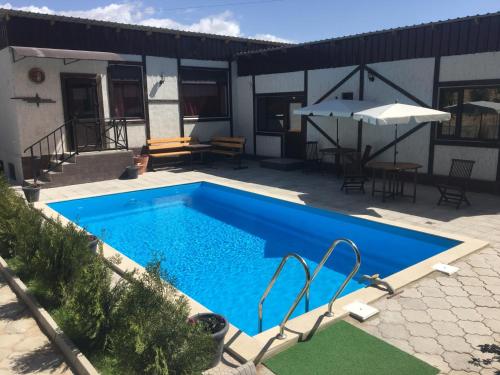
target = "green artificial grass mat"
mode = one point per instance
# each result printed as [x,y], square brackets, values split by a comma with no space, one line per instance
[345,349]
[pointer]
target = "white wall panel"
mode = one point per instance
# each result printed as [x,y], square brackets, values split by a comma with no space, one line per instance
[486,160]
[280,82]
[206,130]
[470,67]
[243,110]
[268,146]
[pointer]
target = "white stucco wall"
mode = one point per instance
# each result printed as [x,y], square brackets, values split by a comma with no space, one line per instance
[485,158]
[268,146]
[320,81]
[10,147]
[243,110]
[163,99]
[204,131]
[470,67]
[281,82]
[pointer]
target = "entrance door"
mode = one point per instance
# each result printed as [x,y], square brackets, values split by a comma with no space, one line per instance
[81,103]
[295,132]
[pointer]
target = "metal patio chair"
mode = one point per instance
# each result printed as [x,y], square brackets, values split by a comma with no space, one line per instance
[312,161]
[453,191]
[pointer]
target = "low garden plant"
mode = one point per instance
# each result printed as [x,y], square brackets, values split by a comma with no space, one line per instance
[136,324]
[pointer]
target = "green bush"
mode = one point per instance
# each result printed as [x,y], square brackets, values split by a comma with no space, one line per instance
[137,325]
[153,335]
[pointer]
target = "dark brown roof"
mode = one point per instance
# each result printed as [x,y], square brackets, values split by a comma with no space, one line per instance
[472,34]
[29,29]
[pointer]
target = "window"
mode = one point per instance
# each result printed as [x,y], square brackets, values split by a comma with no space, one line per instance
[204,93]
[275,113]
[475,113]
[126,91]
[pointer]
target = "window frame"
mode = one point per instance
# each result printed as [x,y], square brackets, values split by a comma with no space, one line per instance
[140,119]
[196,118]
[457,139]
[290,97]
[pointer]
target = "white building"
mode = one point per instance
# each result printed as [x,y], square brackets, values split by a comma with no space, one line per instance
[171,83]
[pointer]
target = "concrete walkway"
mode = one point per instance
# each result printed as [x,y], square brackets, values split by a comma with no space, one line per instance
[24,349]
[451,322]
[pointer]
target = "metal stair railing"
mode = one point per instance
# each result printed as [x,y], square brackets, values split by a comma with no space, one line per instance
[309,279]
[304,290]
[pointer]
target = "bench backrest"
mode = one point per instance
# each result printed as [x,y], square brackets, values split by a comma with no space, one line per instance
[236,144]
[159,144]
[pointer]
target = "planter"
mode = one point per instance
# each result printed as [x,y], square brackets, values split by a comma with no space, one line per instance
[32,193]
[93,242]
[217,326]
[132,172]
[142,162]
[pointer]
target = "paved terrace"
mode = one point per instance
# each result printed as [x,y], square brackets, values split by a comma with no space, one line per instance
[452,322]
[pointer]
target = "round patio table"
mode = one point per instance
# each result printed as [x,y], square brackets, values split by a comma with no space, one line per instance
[392,182]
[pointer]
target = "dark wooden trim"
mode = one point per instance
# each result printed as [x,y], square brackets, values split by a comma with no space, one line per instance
[230,98]
[163,101]
[270,134]
[303,121]
[397,87]
[467,143]
[322,132]
[470,83]
[397,140]
[361,97]
[179,97]
[284,93]
[498,167]
[254,117]
[195,67]
[145,96]
[337,85]
[435,81]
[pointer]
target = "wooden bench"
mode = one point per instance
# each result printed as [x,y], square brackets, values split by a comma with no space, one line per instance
[231,147]
[160,148]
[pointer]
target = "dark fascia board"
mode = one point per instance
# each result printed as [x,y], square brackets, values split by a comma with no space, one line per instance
[363,35]
[6,13]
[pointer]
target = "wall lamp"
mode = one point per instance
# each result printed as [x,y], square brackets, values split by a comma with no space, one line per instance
[371,77]
[162,79]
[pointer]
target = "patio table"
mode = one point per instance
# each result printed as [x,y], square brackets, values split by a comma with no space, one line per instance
[392,182]
[199,148]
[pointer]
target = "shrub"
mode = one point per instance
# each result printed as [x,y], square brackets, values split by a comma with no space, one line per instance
[153,335]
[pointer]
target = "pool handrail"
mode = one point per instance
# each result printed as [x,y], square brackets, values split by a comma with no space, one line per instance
[304,290]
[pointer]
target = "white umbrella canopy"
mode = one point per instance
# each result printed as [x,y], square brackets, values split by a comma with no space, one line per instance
[336,108]
[397,113]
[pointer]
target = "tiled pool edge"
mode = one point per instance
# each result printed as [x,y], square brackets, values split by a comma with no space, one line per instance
[264,344]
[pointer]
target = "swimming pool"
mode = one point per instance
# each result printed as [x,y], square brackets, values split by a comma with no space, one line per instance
[222,245]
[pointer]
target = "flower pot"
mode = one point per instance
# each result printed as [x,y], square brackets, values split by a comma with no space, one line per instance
[142,162]
[132,172]
[93,242]
[217,326]
[32,193]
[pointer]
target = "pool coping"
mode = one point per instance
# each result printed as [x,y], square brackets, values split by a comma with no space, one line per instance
[261,346]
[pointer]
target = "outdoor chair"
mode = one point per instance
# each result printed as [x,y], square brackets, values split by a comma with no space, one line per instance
[312,161]
[354,176]
[453,191]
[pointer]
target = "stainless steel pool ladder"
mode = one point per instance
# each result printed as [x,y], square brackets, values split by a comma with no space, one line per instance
[309,280]
[304,290]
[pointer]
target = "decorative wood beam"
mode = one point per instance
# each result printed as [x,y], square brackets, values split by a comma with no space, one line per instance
[437,68]
[340,83]
[322,132]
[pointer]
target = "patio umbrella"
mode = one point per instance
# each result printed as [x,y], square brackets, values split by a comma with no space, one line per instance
[397,113]
[339,108]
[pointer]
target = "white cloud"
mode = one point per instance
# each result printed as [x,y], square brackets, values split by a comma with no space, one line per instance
[135,13]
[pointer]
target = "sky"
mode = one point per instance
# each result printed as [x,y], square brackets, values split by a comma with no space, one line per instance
[279,20]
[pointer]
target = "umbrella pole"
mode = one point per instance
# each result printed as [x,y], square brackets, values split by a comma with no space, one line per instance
[395,143]
[338,145]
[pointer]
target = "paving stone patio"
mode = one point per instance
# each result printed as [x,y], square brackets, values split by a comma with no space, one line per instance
[451,322]
[24,349]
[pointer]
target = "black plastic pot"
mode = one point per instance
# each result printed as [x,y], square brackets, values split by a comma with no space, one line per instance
[217,326]
[32,193]
[132,172]
[93,242]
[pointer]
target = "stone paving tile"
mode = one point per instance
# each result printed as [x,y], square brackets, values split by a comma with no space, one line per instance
[470,299]
[24,349]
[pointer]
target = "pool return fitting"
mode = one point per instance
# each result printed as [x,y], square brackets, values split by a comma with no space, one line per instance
[309,280]
[378,283]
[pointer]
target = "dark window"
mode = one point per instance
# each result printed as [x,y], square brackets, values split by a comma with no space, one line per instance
[275,113]
[475,113]
[126,91]
[12,171]
[204,93]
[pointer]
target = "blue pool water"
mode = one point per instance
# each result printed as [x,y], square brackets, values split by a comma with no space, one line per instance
[223,245]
